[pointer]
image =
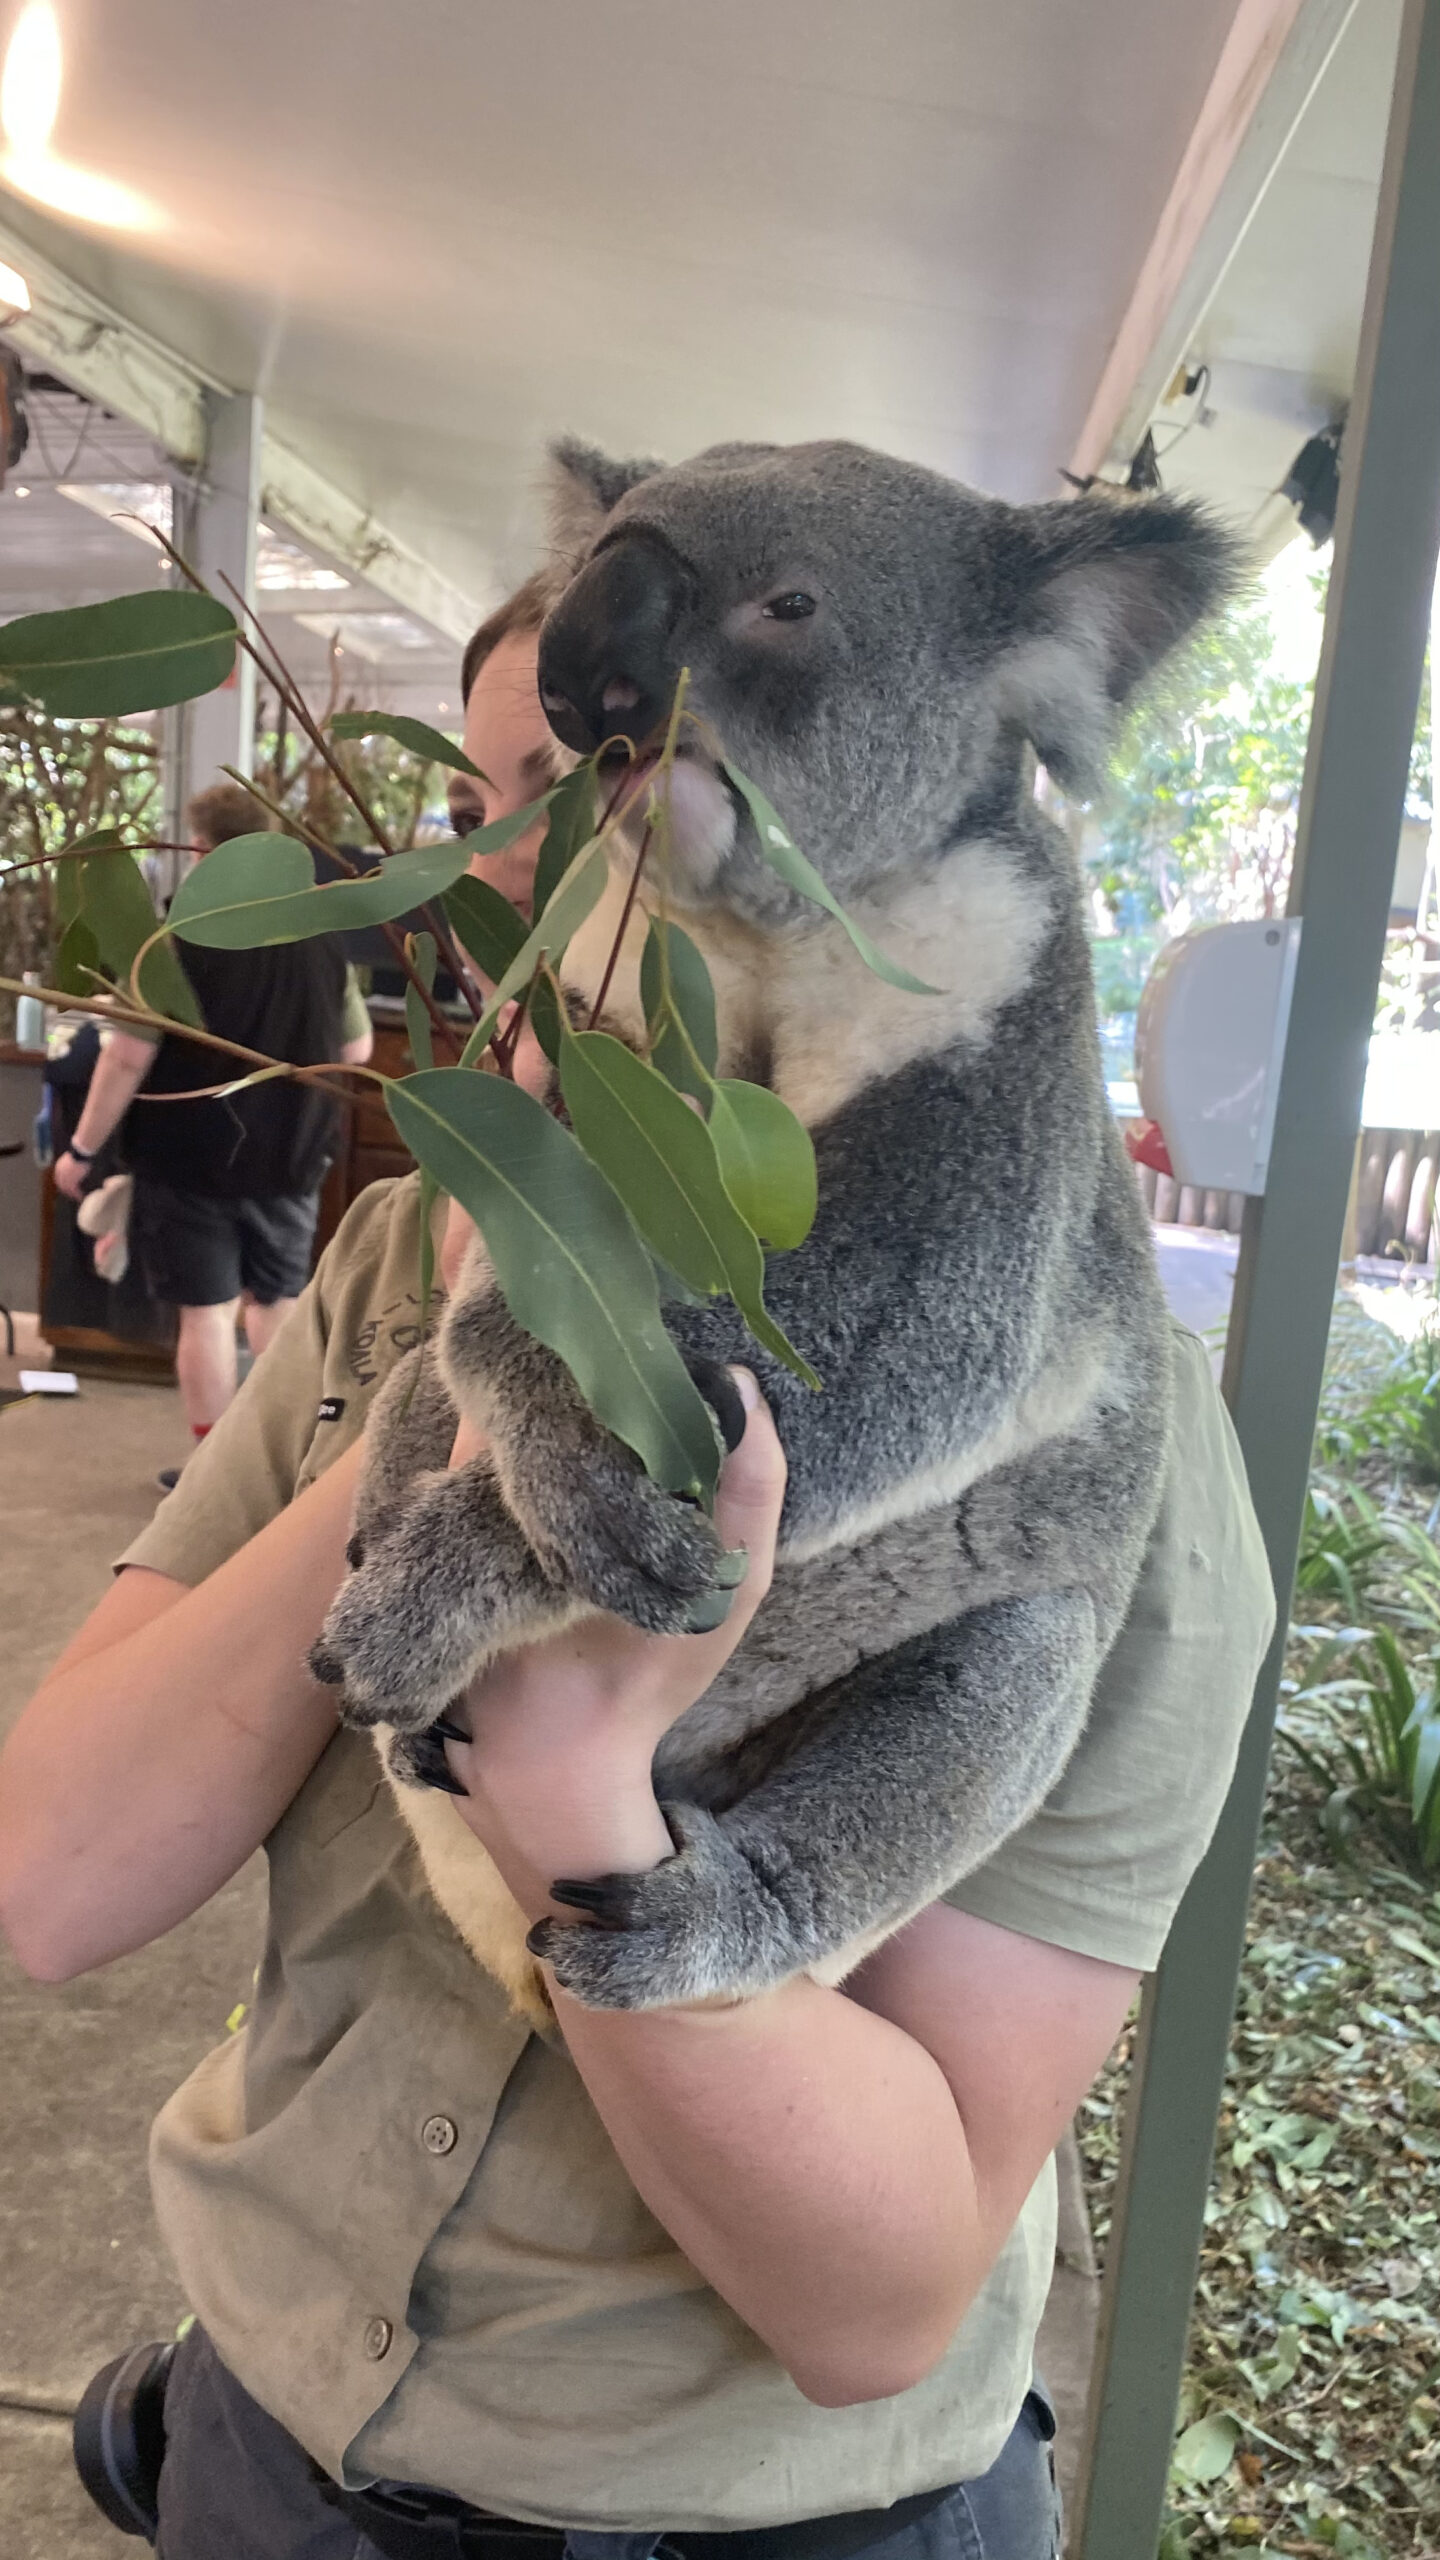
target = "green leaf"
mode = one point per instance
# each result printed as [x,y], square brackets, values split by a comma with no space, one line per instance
[132,653]
[692,999]
[77,957]
[256,891]
[784,856]
[572,824]
[430,1193]
[1206,2449]
[418,1025]
[483,841]
[415,735]
[767,1160]
[579,892]
[489,928]
[569,1264]
[117,907]
[660,1158]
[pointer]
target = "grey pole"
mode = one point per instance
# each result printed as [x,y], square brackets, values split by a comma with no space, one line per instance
[1366,699]
[219,539]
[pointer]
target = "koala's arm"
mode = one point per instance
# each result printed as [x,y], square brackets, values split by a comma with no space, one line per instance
[909,1298]
[882,1790]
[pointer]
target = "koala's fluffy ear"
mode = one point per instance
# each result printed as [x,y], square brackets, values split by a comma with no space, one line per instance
[584,485]
[1109,587]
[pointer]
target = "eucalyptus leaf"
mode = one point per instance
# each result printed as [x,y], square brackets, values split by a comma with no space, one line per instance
[77,962]
[430,1194]
[572,824]
[692,999]
[255,891]
[784,856]
[567,1260]
[488,927]
[416,736]
[660,1158]
[1206,2449]
[483,841]
[117,907]
[418,1026]
[493,931]
[578,894]
[131,653]
[767,1160]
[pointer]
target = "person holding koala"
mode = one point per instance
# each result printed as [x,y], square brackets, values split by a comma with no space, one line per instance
[753,2274]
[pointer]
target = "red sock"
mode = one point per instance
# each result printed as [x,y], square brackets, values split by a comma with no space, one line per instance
[199,1429]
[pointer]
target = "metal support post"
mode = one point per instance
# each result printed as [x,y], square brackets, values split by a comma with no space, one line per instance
[1366,699]
[218,534]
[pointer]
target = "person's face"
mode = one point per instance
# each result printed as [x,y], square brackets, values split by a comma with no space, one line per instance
[508,736]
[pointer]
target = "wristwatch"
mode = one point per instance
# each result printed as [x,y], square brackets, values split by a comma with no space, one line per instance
[82,1155]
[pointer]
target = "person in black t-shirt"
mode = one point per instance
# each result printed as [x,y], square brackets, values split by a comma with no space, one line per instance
[226,1191]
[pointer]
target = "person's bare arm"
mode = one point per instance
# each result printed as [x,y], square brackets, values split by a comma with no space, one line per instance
[120,1070]
[167,1741]
[843,2167]
[357,1052]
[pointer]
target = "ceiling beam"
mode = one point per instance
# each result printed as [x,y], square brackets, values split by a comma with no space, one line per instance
[69,331]
[1269,67]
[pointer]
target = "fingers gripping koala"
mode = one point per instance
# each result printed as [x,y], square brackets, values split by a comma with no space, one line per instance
[970,1496]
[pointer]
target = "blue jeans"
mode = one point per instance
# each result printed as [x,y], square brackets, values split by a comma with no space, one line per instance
[236,2486]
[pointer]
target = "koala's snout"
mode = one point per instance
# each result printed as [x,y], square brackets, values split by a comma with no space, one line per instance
[608,658]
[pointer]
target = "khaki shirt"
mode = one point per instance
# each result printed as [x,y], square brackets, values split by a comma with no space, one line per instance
[395,2209]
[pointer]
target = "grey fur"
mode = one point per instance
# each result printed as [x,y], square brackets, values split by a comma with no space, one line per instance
[970,1497]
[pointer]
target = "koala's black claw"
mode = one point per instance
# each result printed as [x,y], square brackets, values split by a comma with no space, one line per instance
[426,1754]
[722,1396]
[355,1552]
[450,1732]
[325,1666]
[596,1898]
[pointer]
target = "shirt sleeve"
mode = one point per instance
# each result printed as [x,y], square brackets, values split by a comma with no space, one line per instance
[245,1470]
[1103,1864]
[354,1012]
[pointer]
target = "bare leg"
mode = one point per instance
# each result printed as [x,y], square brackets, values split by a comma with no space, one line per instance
[263,1323]
[206,1363]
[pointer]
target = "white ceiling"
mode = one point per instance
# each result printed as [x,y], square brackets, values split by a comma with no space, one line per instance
[432,238]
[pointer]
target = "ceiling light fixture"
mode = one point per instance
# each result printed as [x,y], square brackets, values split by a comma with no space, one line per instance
[14,295]
[29,105]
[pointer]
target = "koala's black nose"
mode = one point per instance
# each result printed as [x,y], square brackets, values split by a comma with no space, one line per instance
[608,662]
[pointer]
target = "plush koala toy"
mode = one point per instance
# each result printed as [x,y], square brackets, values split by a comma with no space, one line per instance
[884,652]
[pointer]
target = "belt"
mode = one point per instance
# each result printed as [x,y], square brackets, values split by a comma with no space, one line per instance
[406,2523]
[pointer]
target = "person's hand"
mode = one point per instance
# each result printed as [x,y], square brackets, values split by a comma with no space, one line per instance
[70,1175]
[557,1770]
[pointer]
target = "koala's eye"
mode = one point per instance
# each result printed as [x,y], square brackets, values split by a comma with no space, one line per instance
[791,607]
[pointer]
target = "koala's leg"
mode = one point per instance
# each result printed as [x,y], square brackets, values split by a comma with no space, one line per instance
[450,1583]
[876,1794]
[602,1532]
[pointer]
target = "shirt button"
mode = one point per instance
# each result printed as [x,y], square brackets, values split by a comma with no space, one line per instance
[438,2134]
[378,2334]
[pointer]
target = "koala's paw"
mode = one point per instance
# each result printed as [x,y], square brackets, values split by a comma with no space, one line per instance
[426,1605]
[606,1533]
[704,1925]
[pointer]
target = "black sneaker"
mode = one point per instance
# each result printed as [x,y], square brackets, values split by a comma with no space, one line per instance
[168,1478]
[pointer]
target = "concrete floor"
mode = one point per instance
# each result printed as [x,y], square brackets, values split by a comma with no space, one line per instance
[89,2063]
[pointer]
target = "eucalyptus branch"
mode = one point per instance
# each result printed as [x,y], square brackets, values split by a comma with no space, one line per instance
[127,1015]
[620,931]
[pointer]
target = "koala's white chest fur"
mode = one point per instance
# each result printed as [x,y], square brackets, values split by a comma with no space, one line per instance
[804,1000]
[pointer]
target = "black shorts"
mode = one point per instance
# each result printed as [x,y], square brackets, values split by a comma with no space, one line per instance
[196,1251]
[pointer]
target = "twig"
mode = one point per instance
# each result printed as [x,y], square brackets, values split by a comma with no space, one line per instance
[625,915]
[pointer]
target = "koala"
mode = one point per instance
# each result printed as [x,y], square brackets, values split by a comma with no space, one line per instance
[885,653]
